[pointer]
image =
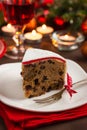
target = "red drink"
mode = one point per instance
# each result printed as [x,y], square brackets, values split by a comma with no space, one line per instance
[18,14]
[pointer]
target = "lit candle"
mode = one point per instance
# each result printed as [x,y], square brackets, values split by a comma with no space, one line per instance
[8,29]
[45,29]
[67,39]
[33,36]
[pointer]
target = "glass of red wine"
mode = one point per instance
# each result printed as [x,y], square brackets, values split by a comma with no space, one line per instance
[18,13]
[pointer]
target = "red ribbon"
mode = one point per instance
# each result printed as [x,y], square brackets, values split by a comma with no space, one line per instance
[69,86]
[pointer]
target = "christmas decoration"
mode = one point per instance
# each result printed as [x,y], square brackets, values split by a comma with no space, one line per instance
[41,19]
[59,13]
[70,13]
[84,49]
[59,21]
[84,26]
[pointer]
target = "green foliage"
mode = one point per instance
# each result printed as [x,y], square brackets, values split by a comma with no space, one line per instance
[69,10]
[72,11]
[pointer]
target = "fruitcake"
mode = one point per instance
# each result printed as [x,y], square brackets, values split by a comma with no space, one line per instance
[42,71]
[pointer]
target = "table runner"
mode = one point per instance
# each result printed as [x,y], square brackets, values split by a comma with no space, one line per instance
[16,119]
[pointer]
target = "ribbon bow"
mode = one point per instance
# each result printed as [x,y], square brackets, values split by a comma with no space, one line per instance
[69,86]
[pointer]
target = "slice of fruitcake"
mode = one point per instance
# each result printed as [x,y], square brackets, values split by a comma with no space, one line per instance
[42,71]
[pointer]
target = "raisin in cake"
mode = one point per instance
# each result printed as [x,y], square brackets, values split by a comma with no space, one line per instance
[42,71]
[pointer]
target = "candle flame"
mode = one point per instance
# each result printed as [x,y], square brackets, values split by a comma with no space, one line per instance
[44,26]
[66,36]
[33,32]
[9,25]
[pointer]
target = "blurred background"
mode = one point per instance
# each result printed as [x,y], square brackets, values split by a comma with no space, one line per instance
[60,14]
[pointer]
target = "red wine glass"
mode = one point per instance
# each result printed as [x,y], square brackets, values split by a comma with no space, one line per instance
[18,13]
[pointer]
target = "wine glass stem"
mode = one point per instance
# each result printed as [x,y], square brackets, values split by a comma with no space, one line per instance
[19,40]
[19,36]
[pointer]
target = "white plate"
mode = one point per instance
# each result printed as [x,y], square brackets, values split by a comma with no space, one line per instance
[11,92]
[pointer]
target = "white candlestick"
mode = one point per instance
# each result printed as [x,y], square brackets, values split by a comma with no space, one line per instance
[45,29]
[8,29]
[33,36]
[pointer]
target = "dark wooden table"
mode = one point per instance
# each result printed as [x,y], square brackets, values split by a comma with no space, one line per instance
[76,55]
